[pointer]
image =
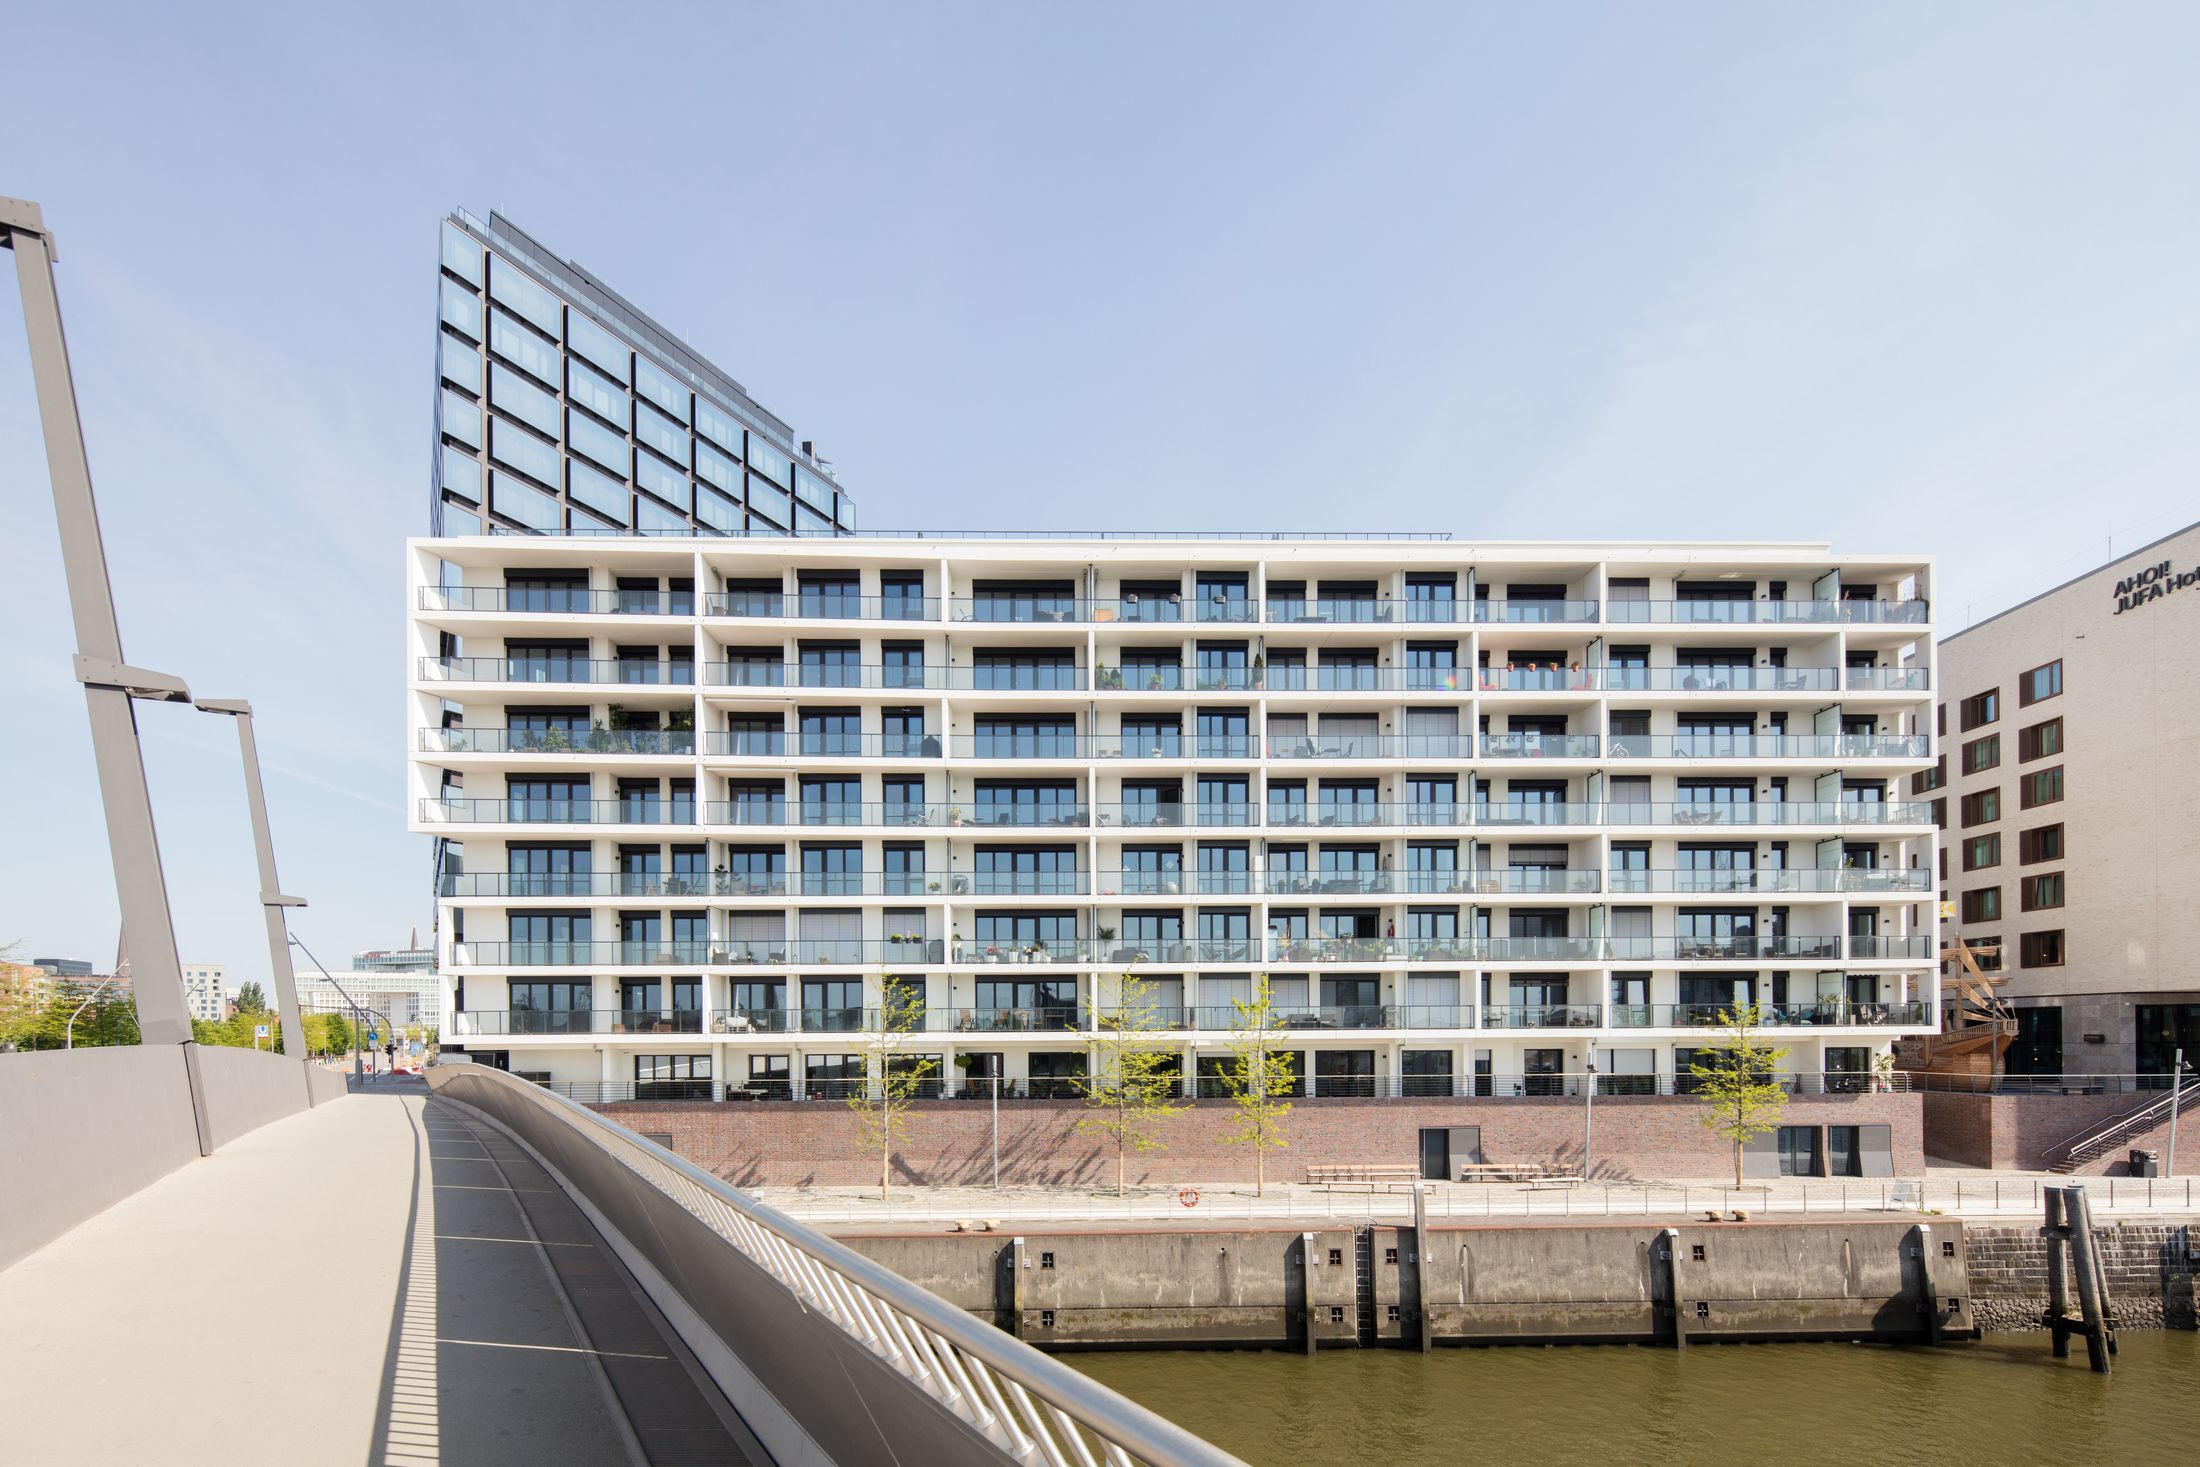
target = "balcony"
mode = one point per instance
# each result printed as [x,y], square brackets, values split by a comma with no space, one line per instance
[1539,746]
[1733,679]
[1803,879]
[1348,816]
[1175,746]
[1881,948]
[1542,1015]
[557,599]
[817,607]
[1830,1012]
[1768,812]
[773,743]
[1360,610]
[613,884]
[893,815]
[1744,947]
[1039,678]
[663,742]
[476,1023]
[1887,680]
[1520,612]
[595,671]
[580,953]
[1374,746]
[1317,883]
[1765,613]
[1522,813]
[1828,747]
[1513,881]
[557,812]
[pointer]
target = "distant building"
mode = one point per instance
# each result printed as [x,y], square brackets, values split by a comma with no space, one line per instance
[64,967]
[206,991]
[392,999]
[413,959]
[25,989]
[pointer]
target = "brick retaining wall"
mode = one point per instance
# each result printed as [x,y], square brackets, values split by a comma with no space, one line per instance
[816,1143]
[2149,1269]
[2015,1132]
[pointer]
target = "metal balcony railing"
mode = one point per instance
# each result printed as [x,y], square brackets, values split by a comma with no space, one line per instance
[593,671]
[557,600]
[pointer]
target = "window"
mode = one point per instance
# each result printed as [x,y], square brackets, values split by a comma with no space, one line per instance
[2040,741]
[1982,807]
[1925,781]
[2041,892]
[2040,684]
[2043,787]
[2040,843]
[1982,754]
[1982,851]
[2040,949]
[1982,905]
[1979,710]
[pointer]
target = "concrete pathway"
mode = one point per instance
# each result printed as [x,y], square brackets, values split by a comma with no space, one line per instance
[381,1280]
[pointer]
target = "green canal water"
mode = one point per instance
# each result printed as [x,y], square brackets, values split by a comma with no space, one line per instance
[2003,1402]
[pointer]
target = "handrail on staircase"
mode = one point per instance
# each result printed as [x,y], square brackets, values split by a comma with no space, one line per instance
[2129,1123]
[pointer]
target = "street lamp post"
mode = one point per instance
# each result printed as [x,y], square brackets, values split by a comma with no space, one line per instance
[358,1022]
[2178,1069]
[1588,1109]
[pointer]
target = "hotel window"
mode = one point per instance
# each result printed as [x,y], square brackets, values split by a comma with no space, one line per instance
[1982,905]
[2040,741]
[2040,949]
[1940,815]
[1940,720]
[1982,807]
[2041,843]
[2042,788]
[1926,781]
[1982,851]
[2040,684]
[1980,710]
[2043,891]
[1982,754]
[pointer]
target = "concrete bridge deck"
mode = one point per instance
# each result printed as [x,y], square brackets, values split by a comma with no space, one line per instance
[380,1280]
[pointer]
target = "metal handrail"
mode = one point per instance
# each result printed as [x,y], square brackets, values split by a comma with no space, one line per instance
[1031,1407]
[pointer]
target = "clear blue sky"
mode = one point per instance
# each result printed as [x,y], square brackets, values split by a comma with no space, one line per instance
[1918,277]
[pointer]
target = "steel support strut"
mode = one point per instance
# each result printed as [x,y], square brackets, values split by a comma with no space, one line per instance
[272,900]
[110,684]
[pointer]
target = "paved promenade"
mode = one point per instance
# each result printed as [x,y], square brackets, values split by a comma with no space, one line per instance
[375,1281]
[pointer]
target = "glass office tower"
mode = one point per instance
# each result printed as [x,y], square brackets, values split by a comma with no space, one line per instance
[561,409]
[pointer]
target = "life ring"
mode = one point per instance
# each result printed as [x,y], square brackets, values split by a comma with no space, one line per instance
[1189,1196]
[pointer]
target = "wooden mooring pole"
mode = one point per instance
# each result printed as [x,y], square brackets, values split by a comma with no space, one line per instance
[2092,1308]
[2057,1318]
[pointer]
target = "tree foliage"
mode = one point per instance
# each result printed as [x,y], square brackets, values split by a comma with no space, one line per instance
[251,999]
[1132,1092]
[1737,1081]
[881,1101]
[1259,1077]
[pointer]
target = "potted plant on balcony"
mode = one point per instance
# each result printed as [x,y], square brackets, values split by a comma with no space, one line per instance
[954,815]
[1260,669]
[992,953]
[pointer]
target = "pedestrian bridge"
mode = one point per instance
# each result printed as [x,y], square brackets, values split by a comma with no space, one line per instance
[468,1271]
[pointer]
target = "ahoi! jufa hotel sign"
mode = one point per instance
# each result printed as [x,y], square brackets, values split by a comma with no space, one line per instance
[2151,584]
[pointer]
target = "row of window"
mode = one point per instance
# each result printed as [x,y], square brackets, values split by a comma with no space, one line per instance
[2035,686]
[2037,893]
[1980,852]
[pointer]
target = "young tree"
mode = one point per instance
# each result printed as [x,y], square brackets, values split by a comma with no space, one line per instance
[251,999]
[1133,1091]
[881,1101]
[1259,1077]
[1735,1078]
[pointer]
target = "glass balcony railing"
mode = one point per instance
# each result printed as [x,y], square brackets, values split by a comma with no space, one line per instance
[581,953]
[1882,947]
[1526,611]
[576,600]
[1539,746]
[474,1023]
[1372,746]
[552,811]
[1723,679]
[1840,1012]
[1768,812]
[1352,610]
[1769,746]
[772,743]
[1806,879]
[893,815]
[1025,609]
[1164,744]
[1324,883]
[1887,680]
[1024,678]
[598,671]
[815,607]
[1518,881]
[1499,813]
[1741,612]
[676,742]
[1542,1015]
[617,884]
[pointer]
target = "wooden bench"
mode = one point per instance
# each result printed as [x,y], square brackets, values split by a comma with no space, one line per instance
[1516,1171]
[1364,1173]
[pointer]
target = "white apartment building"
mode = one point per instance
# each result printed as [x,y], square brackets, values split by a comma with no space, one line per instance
[1491,817]
[2070,791]
[206,991]
[391,997]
